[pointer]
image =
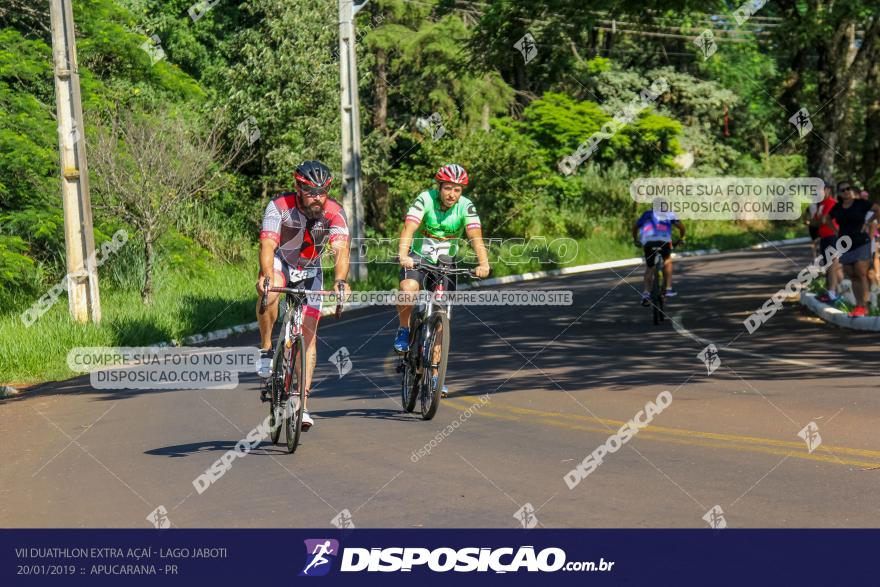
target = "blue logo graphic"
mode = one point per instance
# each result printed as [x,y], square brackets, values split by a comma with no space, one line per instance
[320,553]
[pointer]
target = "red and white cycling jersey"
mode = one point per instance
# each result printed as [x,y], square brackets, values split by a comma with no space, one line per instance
[301,241]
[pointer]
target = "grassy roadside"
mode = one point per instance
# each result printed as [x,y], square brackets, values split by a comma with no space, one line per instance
[223,296]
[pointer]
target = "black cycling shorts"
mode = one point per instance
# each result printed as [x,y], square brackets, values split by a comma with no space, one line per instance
[426,280]
[651,246]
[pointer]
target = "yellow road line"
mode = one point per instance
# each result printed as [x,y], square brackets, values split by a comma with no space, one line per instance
[674,435]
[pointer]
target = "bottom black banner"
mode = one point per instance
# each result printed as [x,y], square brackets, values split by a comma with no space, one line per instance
[524,557]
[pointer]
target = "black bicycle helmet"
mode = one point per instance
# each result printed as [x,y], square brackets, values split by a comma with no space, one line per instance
[313,173]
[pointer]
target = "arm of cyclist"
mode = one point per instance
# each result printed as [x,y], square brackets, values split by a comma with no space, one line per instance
[267,261]
[406,238]
[635,234]
[475,236]
[270,239]
[341,252]
[681,230]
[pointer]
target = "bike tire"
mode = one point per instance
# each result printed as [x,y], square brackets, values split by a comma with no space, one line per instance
[656,298]
[409,390]
[662,297]
[275,395]
[438,326]
[409,380]
[296,395]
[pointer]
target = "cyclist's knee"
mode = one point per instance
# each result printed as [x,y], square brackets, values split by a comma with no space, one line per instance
[410,285]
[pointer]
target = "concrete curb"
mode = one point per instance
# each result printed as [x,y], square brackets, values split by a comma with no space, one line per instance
[768,244]
[838,317]
[242,328]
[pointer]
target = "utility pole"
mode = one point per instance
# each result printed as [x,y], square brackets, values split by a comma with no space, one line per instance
[79,237]
[351,134]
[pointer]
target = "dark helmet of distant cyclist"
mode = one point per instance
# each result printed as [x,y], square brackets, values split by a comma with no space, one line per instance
[313,177]
[452,173]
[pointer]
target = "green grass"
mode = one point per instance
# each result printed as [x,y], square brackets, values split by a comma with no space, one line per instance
[194,296]
[183,304]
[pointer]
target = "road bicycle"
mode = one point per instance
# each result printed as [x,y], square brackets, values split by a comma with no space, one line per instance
[658,289]
[286,382]
[428,341]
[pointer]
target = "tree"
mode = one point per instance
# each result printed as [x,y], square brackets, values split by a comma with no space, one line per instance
[823,38]
[147,165]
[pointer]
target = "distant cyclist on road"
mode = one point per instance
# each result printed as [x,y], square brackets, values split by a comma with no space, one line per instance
[432,227]
[652,231]
[296,228]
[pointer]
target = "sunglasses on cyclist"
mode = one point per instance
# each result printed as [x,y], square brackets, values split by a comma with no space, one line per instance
[314,191]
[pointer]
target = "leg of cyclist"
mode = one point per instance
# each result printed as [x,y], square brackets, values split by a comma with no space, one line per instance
[410,283]
[266,321]
[311,316]
[667,272]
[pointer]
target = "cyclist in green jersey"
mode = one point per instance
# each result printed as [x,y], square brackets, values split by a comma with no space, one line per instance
[432,227]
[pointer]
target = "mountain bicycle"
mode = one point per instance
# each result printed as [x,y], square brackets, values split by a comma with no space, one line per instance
[288,369]
[428,342]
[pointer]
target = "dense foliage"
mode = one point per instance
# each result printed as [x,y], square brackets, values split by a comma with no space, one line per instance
[427,66]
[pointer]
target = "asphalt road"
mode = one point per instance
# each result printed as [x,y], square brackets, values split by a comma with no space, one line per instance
[560,381]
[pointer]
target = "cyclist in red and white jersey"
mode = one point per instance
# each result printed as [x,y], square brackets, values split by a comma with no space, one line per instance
[297,226]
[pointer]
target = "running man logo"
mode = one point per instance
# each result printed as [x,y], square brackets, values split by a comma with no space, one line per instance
[527,47]
[342,359]
[810,434]
[159,518]
[715,518]
[249,129]
[706,43]
[153,48]
[526,516]
[432,125]
[801,121]
[343,520]
[710,358]
[320,553]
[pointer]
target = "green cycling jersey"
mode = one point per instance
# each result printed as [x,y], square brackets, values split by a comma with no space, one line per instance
[439,230]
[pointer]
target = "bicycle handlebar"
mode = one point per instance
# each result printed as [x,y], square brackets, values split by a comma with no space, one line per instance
[297,290]
[675,243]
[441,269]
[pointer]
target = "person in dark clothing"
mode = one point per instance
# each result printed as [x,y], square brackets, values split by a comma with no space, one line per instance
[853,216]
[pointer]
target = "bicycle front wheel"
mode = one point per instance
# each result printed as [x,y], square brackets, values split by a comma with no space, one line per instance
[435,357]
[295,392]
[409,385]
[276,394]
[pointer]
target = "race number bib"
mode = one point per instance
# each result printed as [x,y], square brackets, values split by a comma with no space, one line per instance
[302,274]
[432,249]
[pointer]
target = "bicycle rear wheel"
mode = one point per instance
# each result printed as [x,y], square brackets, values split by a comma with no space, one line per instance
[656,298]
[437,332]
[295,392]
